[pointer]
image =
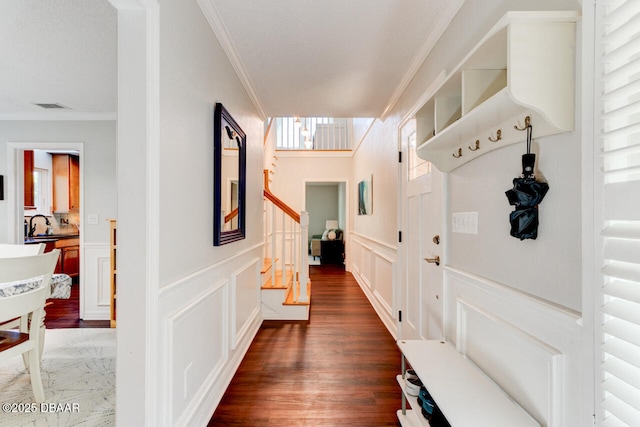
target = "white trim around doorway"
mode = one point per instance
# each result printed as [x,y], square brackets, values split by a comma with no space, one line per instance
[15,211]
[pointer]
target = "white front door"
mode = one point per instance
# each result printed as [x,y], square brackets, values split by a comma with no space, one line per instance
[421,216]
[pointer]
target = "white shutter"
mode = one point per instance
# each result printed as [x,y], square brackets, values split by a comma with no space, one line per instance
[618,106]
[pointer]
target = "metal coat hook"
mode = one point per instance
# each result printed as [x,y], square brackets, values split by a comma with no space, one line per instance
[459,153]
[528,159]
[498,136]
[435,260]
[477,146]
[527,123]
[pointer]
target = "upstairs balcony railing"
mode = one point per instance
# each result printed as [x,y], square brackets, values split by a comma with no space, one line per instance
[313,133]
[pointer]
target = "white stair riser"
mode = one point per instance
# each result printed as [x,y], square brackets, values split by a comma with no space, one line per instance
[273,309]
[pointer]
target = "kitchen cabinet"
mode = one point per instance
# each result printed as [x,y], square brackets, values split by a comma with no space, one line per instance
[29,202]
[66,182]
[69,261]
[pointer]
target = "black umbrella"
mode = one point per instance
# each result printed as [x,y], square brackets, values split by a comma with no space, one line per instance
[525,195]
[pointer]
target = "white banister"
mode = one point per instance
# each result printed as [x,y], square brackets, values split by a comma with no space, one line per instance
[304,268]
[290,260]
[313,133]
[273,246]
[283,251]
[294,255]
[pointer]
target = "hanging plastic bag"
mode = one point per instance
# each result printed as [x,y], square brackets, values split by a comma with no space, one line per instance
[526,195]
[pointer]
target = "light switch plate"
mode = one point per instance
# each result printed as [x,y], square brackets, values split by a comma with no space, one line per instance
[92,219]
[464,222]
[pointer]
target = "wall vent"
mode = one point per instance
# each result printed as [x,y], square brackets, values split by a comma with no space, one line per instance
[50,106]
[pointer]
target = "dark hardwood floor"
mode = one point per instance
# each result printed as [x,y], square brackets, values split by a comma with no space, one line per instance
[338,369]
[64,313]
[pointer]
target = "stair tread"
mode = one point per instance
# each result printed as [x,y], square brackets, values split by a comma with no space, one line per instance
[278,284]
[266,265]
[289,300]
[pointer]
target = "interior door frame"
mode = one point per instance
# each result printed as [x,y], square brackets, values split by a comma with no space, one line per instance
[402,220]
[347,223]
[15,198]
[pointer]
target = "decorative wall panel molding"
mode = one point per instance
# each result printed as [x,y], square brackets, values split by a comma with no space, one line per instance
[530,347]
[374,268]
[190,371]
[527,368]
[223,302]
[95,283]
[243,288]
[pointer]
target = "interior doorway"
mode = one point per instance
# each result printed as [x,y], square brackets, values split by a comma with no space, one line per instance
[45,218]
[326,201]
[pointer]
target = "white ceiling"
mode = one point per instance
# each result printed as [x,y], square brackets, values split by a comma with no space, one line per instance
[295,57]
[57,51]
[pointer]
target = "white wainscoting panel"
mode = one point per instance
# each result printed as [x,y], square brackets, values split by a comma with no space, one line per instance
[374,267]
[208,320]
[364,264]
[95,290]
[384,272]
[206,316]
[245,286]
[529,347]
[519,362]
[354,261]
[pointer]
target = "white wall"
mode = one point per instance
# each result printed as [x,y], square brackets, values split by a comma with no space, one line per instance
[548,267]
[208,307]
[542,276]
[373,239]
[322,204]
[99,192]
[292,174]
[377,159]
[360,128]
[195,74]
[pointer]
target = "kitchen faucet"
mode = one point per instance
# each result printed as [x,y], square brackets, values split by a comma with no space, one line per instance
[32,228]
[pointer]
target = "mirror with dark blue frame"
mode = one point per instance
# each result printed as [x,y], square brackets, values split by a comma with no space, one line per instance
[229,178]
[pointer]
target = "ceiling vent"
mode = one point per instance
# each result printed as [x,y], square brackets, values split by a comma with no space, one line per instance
[51,106]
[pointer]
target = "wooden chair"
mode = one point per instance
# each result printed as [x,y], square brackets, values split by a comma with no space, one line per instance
[29,306]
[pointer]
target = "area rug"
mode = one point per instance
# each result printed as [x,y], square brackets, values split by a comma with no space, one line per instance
[78,376]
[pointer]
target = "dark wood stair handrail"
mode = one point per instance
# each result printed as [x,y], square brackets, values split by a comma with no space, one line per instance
[276,201]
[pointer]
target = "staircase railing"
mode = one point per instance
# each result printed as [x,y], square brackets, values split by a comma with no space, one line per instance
[286,245]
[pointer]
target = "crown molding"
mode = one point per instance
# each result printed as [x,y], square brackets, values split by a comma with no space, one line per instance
[127,4]
[217,25]
[421,56]
[59,115]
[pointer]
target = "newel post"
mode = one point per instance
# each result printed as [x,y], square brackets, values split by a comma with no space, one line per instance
[304,265]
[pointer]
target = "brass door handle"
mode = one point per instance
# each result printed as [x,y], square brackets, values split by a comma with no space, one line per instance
[435,260]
